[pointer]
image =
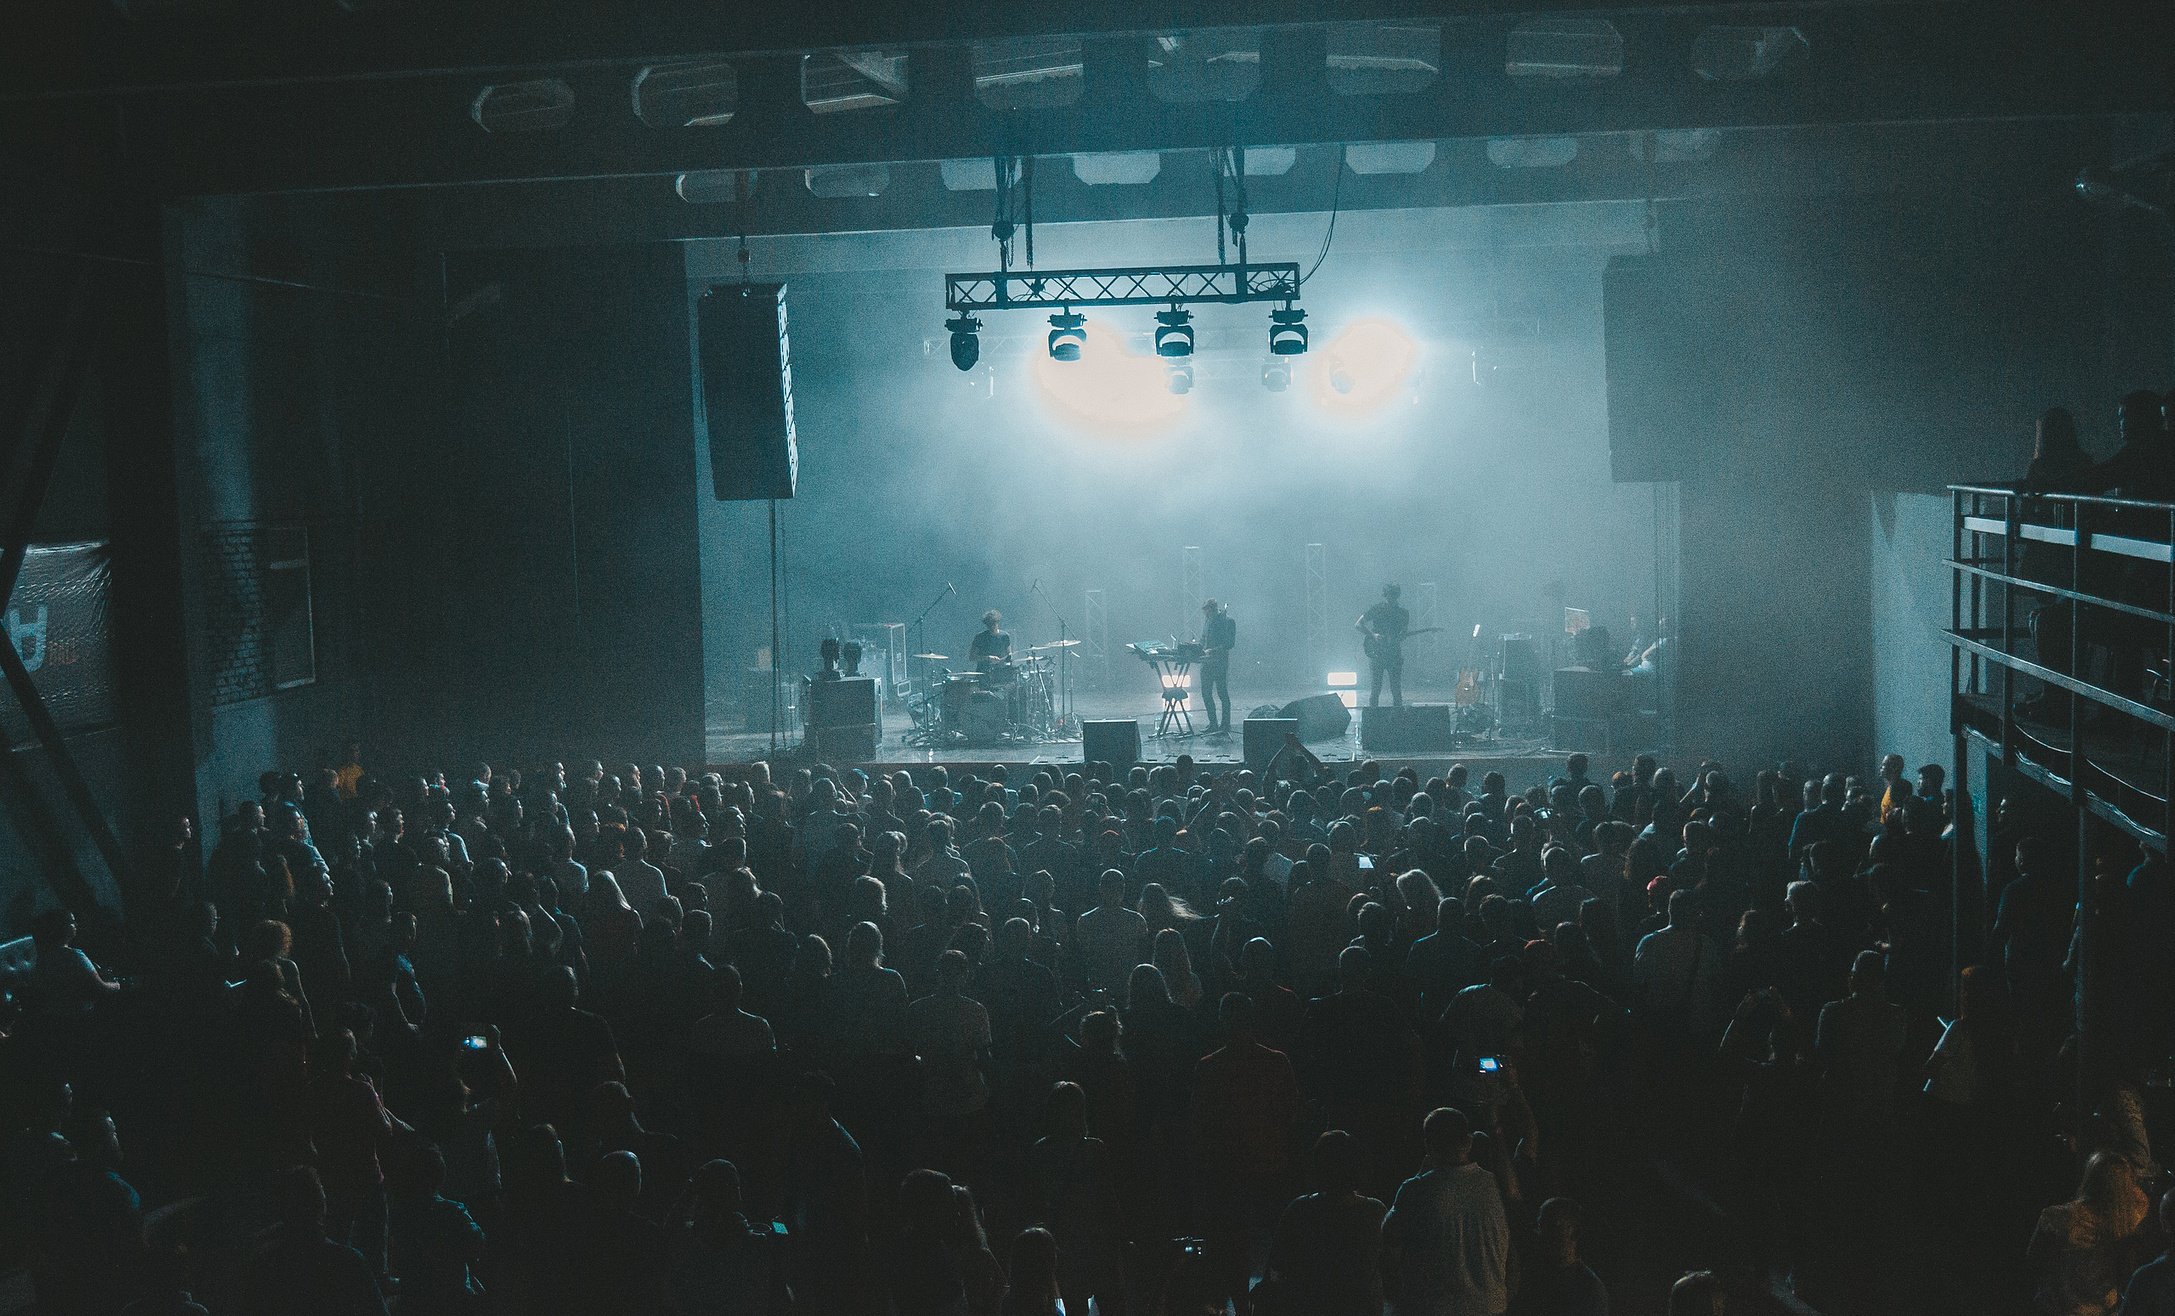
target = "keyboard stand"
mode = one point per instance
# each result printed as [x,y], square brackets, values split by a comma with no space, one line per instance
[1170,674]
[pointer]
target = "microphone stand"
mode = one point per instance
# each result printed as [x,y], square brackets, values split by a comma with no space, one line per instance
[1064,687]
[921,634]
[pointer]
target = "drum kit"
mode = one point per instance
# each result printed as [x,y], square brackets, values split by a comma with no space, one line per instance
[1010,700]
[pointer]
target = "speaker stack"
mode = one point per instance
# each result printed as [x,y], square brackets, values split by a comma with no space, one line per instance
[746,401]
[1413,729]
[844,720]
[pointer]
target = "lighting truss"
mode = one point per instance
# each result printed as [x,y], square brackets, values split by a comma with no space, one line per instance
[1134,285]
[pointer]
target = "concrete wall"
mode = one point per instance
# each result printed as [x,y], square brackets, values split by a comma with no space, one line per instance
[293,382]
[1907,542]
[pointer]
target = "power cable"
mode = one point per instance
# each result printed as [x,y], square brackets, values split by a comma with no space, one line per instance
[1336,201]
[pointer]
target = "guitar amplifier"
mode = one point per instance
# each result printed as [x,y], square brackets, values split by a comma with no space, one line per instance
[1415,728]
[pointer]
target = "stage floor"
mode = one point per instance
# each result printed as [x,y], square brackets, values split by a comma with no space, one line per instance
[729,743]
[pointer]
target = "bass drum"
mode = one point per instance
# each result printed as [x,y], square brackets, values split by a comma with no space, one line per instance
[956,692]
[985,716]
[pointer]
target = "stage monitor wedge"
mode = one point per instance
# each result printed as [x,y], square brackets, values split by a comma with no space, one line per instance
[744,396]
[1320,717]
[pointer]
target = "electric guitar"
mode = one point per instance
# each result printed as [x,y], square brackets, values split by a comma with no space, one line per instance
[1380,647]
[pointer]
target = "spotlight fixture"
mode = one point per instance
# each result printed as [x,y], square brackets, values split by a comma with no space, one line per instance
[1180,376]
[1287,331]
[1276,374]
[966,345]
[1340,379]
[1174,333]
[1068,334]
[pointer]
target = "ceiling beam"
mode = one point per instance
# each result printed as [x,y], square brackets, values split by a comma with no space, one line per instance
[71,48]
[2019,161]
[1922,63]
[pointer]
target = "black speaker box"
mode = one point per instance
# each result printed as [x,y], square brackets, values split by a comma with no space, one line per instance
[847,702]
[1415,728]
[745,400]
[845,744]
[1320,717]
[1263,736]
[1115,743]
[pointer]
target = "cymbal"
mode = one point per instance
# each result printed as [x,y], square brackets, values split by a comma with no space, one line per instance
[1054,644]
[933,657]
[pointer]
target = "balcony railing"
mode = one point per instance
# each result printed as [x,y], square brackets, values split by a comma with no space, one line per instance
[2062,621]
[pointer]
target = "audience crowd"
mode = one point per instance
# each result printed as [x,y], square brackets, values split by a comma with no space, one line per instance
[1159,1039]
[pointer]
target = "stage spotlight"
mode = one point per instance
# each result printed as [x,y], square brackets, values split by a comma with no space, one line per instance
[1180,377]
[1287,332]
[1174,333]
[1276,374]
[1341,380]
[966,344]
[1068,334]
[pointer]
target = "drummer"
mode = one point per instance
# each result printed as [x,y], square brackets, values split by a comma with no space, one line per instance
[992,649]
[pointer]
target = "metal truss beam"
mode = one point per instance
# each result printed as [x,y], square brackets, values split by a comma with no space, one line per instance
[1128,285]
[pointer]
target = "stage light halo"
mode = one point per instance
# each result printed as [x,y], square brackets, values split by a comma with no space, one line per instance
[1366,364]
[1113,389]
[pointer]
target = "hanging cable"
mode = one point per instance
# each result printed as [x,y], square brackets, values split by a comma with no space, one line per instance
[740,213]
[1221,214]
[1336,199]
[1000,224]
[1027,188]
[1239,216]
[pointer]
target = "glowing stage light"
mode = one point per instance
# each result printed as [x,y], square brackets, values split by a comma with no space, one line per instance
[1366,364]
[966,344]
[1180,377]
[1110,388]
[1067,335]
[1276,374]
[1343,680]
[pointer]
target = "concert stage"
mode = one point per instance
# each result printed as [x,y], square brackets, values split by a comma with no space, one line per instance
[1523,758]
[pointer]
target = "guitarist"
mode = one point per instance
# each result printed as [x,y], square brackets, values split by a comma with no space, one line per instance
[1384,624]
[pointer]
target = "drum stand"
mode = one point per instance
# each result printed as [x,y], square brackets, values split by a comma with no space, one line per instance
[1065,722]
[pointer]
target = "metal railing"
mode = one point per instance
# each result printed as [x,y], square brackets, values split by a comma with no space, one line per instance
[2074,595]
